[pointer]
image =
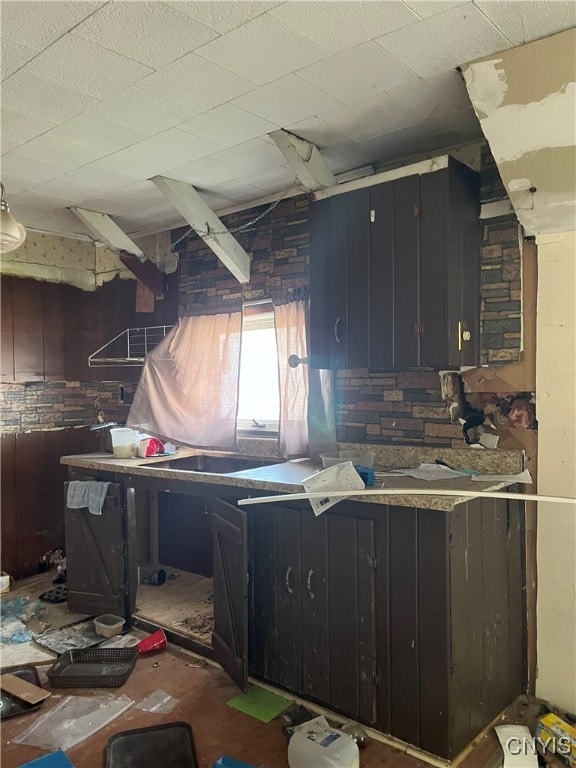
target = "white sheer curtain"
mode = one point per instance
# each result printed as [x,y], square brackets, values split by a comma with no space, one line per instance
[290,322]
[188,390]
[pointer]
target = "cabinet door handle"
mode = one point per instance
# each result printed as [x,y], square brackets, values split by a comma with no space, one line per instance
[463,335]
[309,584]
[337,338]
[287,580]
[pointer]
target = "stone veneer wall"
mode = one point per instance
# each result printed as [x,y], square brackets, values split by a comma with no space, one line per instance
[38,406]
[402,407]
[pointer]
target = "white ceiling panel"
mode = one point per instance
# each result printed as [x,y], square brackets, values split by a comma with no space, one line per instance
[87,67]
[252,155]
[28,94]
[42,22]
[286,101]
[66,189]
[425,8]
[336,26]
[178,147]
[262,50]
[221,15]
[195,82]
[376,115]
[21,128]
[358,73]
[145,112]
[319,132]
[529,19]
[14,55]
[7,145]
[149,32]
[37,171]
[444,41]
[57,221]
[228,125]
[63,154]
[103,179]
[103,96]
[439,94]
[206,173]
[15,185]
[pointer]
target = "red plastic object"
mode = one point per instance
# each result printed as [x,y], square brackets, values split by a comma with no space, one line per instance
[155,642]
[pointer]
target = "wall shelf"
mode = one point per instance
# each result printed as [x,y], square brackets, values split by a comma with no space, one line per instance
[129,347]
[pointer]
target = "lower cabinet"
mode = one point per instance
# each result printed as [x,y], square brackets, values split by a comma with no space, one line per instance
[409,620]
[312,596]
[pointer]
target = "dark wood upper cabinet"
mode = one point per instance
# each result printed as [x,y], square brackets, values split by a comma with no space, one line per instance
[394,273]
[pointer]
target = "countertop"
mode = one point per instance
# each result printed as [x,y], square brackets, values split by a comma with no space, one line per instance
[281,478]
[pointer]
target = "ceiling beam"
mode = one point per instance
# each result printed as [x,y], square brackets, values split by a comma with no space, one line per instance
[207,225]
[107,231]
[304,159]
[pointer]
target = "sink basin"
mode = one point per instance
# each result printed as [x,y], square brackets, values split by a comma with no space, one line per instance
[221,465]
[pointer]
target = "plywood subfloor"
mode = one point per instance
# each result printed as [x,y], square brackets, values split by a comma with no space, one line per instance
[182,604]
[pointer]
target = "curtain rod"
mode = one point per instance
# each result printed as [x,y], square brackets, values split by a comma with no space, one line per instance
[255,302]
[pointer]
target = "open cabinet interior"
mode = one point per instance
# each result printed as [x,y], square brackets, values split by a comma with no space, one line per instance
[174,536]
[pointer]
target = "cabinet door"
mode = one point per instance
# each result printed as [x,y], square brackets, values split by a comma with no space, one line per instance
[358,277]
[381,290]
[406,271]
[230,635]
[328,290]
[100,563]
[276,607]
[351,606]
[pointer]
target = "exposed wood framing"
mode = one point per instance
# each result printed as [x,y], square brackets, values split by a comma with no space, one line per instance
[207,225]
[107,231]
[147,272]
[304,159]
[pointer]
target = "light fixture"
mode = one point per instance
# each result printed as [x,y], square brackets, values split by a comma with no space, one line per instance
[12,234]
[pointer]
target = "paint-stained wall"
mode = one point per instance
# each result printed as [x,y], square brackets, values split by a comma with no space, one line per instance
[525,99]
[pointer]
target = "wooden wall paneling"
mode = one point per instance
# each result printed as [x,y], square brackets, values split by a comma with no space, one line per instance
[9,516]
[56,476]
[433,630]
[406,271]
[381,286]
[382,588]
[289,599]
[358,277]
[6,329]
[53,331]
[404,648]
[337,285]
[432,269]
[79,333]
[263,645]
[34,534]
[28,330]
[315,621]
[475,562]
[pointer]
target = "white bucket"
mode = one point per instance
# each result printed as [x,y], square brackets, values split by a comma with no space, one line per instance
[315,744]
[123,440]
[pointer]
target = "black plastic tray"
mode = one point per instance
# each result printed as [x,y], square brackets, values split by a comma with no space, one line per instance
[170,745]
[93,668]
[10,706]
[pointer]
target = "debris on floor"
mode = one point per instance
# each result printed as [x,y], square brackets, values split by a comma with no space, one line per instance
[260,703]
[15,615]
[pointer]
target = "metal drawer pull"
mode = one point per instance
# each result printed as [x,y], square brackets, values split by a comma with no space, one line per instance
[309,584]
[287,580]
[337,338]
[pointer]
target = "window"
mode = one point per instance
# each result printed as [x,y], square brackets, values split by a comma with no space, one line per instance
[259,399]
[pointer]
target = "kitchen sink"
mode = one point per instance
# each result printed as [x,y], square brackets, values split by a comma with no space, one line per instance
[221,465]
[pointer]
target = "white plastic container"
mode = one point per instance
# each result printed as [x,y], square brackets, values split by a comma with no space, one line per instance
[108,625]
[315,744]
[123,442]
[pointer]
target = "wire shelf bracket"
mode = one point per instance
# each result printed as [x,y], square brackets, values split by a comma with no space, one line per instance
[128,348]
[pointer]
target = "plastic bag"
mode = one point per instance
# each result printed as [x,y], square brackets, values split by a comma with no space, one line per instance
[71,721]
[159,701]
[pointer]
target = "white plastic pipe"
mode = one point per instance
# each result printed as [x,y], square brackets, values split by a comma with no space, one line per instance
[406,492]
